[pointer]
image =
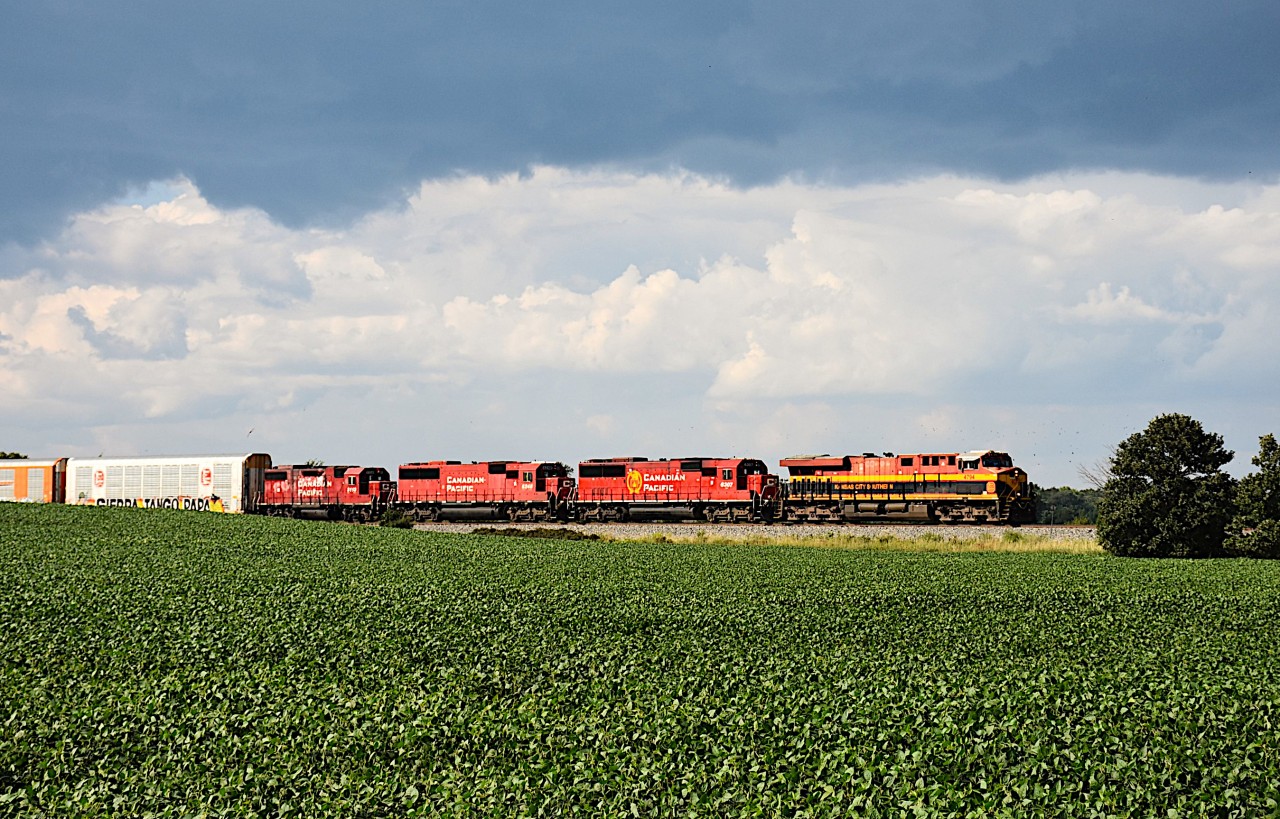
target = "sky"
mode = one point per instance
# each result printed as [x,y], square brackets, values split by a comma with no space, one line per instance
[388,232]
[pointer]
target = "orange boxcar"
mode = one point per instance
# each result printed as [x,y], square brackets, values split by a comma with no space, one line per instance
[32,481]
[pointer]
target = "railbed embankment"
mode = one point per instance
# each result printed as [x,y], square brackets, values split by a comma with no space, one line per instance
[809,534]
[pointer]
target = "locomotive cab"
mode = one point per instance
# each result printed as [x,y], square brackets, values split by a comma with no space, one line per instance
[754,477]
[973,461]
[552,479]
[372,484]
[1014,501]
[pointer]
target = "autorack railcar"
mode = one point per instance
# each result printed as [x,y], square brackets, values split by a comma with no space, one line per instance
[217,483]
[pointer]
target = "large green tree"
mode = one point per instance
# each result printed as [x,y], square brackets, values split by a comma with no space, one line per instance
[13,455]
[1166,494]
[1255,530]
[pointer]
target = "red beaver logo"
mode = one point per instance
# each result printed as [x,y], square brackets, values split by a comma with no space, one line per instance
[635,482]
[206,476]
[99,478]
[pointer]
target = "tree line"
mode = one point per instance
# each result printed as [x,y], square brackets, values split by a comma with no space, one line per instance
[1065,505]
[1164,494]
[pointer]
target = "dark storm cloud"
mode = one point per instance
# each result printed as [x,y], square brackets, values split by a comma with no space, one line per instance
[320,111]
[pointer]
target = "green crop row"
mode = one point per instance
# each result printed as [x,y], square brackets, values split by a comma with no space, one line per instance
[185,664]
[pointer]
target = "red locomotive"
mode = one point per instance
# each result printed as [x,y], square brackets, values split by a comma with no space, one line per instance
[948,487]
[327,492]
[711,489]
[485,490]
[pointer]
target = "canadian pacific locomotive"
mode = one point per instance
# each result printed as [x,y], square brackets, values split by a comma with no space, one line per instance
[485,490]
[713,489]
[326,492]
[949,487]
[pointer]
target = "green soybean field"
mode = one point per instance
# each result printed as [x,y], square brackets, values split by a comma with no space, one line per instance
[185,664]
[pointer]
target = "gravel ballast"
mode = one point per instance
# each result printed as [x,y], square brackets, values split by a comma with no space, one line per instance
[712,531]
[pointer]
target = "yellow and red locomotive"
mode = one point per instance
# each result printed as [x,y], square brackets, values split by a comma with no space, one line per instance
[981,486]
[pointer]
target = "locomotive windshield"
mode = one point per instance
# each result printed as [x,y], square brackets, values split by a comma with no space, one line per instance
[997,460]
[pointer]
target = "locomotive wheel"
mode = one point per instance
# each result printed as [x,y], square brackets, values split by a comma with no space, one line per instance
[524,514]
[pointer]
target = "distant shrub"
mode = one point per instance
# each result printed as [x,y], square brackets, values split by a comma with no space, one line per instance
[562,533]
[1261,541]
[396,519]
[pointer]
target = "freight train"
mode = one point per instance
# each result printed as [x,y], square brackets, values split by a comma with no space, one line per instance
[981,486]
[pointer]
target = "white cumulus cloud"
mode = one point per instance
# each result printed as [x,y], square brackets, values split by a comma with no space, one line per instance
[942,309]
